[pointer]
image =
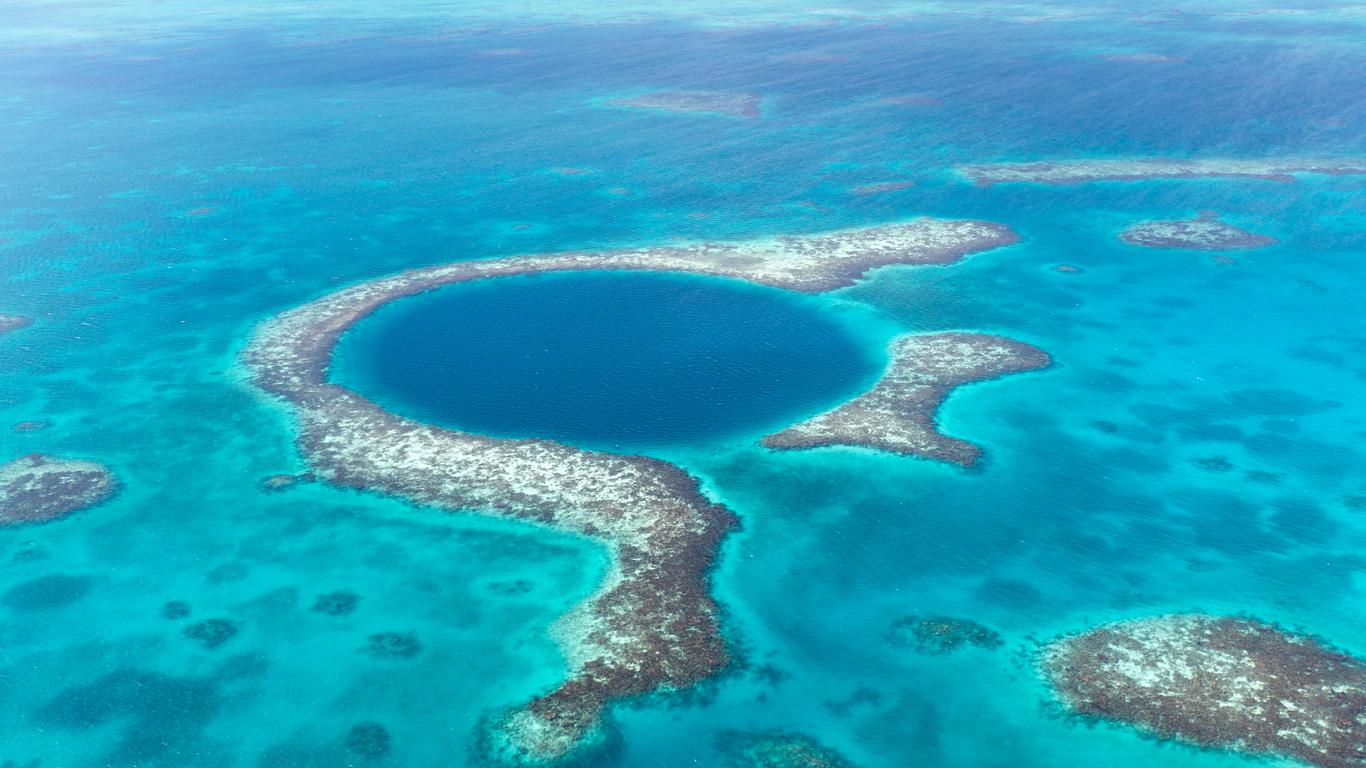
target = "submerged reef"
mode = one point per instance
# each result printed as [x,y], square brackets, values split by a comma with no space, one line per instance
[705,102]
[938,635]
[652,624]
[1080,171]
[1219,682]
[1202,233]
[13,323]
[777,750]
[211,633]
[37,488]
[897,414]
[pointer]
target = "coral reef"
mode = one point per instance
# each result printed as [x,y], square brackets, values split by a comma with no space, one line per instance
[938,635]
[777,750]
[339,603]
[13,323]
[54,590]
[651,625]
[897,414]
[1202,233]
[703,102]
[273,483]
[1219,682]
[175,610]
[37,488]
[393,645]
[369,740]
[211,633]
[1119,169]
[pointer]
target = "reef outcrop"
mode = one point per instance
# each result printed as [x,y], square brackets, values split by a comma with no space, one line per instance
[939,635]
[726,103]
[1218,682]
[1205,232]
[898,413]
[1137,169]
[13,323]
[652,624]
[37,488]
[763,749]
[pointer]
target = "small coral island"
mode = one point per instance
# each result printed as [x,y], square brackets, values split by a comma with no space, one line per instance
[37,488]
[1218,682]
[897,414]
[1139,169]
[722,103]
[1202,233]
[652,625]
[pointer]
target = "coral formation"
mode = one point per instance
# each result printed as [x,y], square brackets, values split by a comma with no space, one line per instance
[13,323]
[651,625]
[52,591]
[777,750]
[175,610]
[339,603]
[938,635]
[898,413]
[211,633]
[37,488]
[393,645]
[703,102]
[1119,169]
[1220,682]
[369,740]
[1202,233]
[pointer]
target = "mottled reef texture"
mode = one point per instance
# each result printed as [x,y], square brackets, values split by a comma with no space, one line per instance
[13,323]
[1202,233]
[1219,682]
[938,635]
[704,102]
[898,413]
[777,750]
[652,625]
[1079,171]
[37,488]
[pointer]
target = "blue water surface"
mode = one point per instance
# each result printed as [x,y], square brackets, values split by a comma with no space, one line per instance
[615,359]
[173,174]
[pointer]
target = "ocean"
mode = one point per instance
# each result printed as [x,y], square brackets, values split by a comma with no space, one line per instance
[173,176]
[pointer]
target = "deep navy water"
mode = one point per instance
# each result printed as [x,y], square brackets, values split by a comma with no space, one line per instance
[173,174]
[607,359]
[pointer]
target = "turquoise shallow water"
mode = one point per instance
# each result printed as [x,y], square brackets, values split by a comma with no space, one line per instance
[1196,445]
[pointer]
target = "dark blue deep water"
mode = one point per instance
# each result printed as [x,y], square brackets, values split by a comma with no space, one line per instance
[607,358]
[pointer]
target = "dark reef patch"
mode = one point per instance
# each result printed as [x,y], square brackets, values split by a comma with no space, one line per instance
[52,591]
[175,610]
[211,633]
[938,635]
[393,645]
[776,749]
[165,714]
[369,740]
[339,603]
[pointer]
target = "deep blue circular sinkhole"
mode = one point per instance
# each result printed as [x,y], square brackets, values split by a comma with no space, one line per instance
[606,359]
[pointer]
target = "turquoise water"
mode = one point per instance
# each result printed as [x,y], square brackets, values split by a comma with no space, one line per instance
[608,359]
[165,185]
